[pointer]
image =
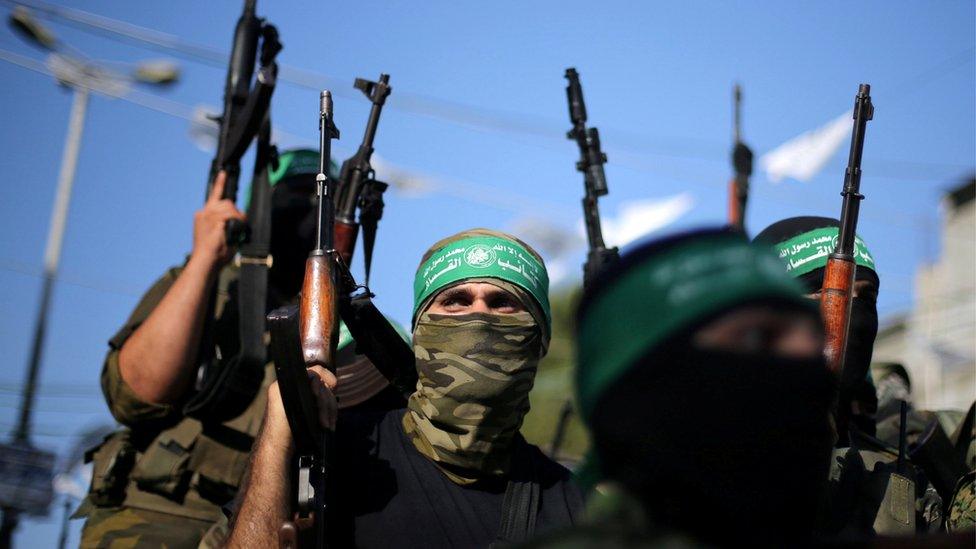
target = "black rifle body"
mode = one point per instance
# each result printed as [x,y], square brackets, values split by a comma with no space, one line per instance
[590,164]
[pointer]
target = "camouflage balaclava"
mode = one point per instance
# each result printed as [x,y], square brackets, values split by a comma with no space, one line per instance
[476,370]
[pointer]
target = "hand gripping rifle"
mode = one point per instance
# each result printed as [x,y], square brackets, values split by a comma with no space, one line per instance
[591,164]
[835,298]
[742,163]
[306,341]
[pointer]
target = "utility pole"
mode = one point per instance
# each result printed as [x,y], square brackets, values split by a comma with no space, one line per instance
[26,471]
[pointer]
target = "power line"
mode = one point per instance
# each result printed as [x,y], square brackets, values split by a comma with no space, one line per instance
[435,107]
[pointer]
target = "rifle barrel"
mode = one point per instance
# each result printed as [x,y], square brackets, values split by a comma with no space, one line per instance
[838,285]
[863,111]
[590,164]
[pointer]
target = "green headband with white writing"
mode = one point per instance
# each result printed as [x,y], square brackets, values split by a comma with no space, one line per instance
[808,251]
[664,293]
[483,256]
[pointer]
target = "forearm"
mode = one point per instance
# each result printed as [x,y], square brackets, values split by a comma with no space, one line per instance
[158,360]
[264,503]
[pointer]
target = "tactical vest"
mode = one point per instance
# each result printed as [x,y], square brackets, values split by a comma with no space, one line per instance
[190,468]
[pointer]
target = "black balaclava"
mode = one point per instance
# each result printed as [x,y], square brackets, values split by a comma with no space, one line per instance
[293,221]
[746,435]
[855,383]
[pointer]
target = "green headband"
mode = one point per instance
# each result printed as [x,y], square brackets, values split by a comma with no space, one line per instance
[808,251]
[666,293]
[483,256]
[295,162]
[292,163]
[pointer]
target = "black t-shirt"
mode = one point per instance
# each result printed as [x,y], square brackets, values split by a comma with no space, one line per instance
[390,495]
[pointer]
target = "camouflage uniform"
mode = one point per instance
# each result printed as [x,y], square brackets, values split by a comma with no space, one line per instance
[163,480]
[962,510]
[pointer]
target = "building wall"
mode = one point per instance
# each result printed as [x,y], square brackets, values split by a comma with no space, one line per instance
[939,344]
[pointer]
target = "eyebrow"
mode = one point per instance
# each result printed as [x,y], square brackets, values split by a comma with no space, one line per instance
[454,293]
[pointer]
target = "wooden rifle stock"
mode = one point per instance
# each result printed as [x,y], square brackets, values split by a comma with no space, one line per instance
[835,306]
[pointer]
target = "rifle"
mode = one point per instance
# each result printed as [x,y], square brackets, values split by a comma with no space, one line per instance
[838,283]
[310,340]
[358,186]
[223,390]
[244,106]
[591,164]
[742,163]
[374,335]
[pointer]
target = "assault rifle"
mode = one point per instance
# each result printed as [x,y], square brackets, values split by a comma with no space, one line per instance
[244,106]
[375,337]
[306,341]
[225,388]
[358,186]
[591,164]
[742,163]
[838,283]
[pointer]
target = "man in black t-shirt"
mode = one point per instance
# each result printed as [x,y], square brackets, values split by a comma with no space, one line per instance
[451,469]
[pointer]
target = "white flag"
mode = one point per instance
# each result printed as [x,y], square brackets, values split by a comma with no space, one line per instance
[641,217]
[805,155]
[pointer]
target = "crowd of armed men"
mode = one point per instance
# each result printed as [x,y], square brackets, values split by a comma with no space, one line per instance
[726,383]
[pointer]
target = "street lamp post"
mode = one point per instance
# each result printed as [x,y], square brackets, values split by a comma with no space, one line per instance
[83,77]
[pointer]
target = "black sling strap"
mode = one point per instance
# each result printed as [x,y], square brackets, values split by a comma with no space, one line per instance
[229,389]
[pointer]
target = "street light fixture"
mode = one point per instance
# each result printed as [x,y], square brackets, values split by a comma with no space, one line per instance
[24,23]
[25,484]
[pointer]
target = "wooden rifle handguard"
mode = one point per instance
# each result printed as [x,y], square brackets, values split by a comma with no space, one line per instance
[835,307]
[345,240]
[318,323]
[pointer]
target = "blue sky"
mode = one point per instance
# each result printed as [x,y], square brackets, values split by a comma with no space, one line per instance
[657,80]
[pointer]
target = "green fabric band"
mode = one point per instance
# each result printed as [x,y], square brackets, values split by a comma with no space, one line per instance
[296,162]
[669,292]
[483,257]
[292,163]
[808,251]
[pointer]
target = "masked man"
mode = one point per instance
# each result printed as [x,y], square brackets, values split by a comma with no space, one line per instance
[701,379]
[803,244]
[451,469]
[871,491]
[163,480]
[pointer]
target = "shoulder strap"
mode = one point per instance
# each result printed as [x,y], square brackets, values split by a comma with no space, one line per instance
[230,387]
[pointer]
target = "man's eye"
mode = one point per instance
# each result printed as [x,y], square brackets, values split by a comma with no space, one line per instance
[455,300]
[503,303]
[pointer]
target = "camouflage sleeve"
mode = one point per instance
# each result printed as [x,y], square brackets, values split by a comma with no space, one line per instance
[127,408]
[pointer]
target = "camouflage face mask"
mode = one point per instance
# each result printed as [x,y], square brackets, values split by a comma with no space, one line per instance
[476,371]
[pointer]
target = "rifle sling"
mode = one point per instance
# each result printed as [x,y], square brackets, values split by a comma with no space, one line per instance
[228,388]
